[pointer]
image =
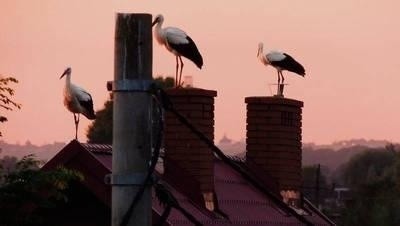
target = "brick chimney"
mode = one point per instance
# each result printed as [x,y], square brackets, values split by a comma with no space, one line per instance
[184,148]
[274,141]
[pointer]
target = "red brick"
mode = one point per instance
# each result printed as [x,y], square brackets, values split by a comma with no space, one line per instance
[258,107]
[273,141]
[275,148]
[274,155]
[263,121]
[191,92]
[272,169]
[207,179]
[273,135]
[282,162]
[193,143]
[274,100]
[201,100]
[179,99]
[277,128]
[271,114]
[208,107]
[185,108]
[183,146]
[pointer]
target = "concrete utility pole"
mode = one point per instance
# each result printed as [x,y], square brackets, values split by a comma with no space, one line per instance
[132,115]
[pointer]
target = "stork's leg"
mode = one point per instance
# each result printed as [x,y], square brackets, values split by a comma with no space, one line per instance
[282,85]
[176,71]
[76,120]
[180,74]
[279,78]
[278,90]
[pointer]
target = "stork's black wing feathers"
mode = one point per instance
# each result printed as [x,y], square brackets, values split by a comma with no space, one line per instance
[88,106]
[290,64]
[188,50]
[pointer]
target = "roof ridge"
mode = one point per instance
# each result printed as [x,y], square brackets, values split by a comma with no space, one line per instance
[98,148]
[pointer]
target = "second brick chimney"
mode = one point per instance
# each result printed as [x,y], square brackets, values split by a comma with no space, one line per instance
[274,141]
[184,148]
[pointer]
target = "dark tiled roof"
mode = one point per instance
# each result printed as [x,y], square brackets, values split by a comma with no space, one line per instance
[245,204]
[314,215]
[237,198]
[98,148]
[102,152]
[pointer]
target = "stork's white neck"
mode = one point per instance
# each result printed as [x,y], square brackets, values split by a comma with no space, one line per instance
[158,33]
[68,80]
[260,52]
[261,55]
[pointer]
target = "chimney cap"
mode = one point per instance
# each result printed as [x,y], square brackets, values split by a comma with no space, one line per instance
[192,92]
[273,100]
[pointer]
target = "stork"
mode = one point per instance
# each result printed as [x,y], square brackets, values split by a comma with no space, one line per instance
[77,100]
[179,43]
[280,61]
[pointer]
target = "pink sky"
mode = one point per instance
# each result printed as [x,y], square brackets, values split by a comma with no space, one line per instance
[348,47]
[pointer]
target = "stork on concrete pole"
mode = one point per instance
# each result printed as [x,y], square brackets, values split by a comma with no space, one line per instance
[131,118]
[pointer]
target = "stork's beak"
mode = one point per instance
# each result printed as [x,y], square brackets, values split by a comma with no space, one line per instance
[154,22]
[65,72]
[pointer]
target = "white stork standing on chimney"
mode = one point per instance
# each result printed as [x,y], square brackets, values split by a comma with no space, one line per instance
[179,43]
[280,61]
[77,100]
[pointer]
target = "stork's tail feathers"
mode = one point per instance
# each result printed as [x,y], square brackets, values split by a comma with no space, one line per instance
[199,62]
[302,70]
[298,69]
[196,55]
[197,59]
[189,50]
[90,115]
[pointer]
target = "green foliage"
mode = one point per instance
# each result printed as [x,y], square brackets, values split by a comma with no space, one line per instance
[6,93]
[367,167]
[373,176]
[100,131]
[309,174]
[165,83]
[7,164]
[27,190]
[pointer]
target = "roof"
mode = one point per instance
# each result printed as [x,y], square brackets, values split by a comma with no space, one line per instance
[237,197]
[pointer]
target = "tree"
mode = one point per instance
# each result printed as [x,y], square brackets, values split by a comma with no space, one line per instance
[27,191]
[364,168]
[100,131]
[7,165]
[165,83]
[373,176]
[310,188]
[6,93]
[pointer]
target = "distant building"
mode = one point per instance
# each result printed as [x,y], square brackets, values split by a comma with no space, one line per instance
[231,147]
[343,194]
[225,140]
